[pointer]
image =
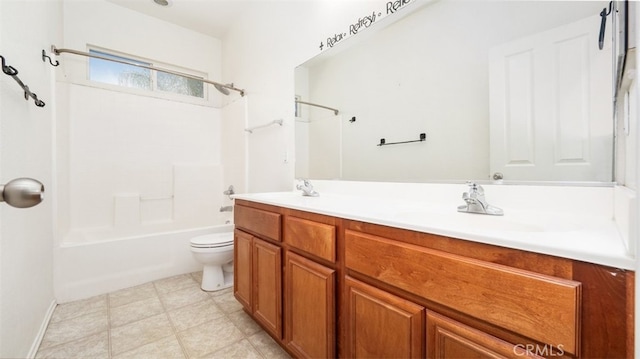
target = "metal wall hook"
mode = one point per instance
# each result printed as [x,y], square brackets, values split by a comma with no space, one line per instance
[9,70]
[603,24]
[44,55]
[36,100]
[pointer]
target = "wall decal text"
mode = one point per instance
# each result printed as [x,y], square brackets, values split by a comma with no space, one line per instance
[364,22]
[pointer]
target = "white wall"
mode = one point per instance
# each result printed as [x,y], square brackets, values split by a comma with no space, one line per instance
[26,235]
[260,57]
[129,160]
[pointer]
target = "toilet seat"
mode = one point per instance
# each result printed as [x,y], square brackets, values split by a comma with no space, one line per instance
[214,240]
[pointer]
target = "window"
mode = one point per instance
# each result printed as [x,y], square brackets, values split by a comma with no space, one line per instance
[119,74]
[180,85]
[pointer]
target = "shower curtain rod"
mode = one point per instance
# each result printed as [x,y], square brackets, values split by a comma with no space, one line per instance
[335,111]
[57,51]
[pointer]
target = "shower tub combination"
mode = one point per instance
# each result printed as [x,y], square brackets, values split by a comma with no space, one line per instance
[96,265]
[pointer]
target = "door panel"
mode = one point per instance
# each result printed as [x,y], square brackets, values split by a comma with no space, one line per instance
[551,106]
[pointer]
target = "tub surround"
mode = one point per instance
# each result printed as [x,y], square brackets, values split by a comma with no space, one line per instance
[92,268]
[567,221]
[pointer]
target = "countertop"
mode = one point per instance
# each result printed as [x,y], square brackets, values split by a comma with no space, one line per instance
[581,236]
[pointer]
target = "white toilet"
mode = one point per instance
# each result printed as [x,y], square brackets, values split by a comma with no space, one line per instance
[215,251]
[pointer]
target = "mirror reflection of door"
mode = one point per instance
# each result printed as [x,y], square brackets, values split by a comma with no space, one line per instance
[545,122]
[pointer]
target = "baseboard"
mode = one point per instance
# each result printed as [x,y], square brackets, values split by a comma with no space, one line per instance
[43,328]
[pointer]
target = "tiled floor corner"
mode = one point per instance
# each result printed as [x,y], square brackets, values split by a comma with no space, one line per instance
[168,318]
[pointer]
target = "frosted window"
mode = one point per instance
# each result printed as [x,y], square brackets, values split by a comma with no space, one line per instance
[115,73]
[180,85]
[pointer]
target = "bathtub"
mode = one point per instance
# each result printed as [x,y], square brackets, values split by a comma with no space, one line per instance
[96,262]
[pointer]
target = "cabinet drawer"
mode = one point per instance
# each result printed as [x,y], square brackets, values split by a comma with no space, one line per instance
[258,221]
[318,239]
[544,308]
[447,338]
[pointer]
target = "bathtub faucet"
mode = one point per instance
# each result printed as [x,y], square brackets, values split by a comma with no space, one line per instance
[229,191]
[476,202]
[226,209]
[307,189]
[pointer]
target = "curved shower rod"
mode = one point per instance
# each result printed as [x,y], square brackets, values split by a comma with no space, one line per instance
[335,111]
[219,86]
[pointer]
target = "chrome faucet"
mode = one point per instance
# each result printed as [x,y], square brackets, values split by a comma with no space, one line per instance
[307,188]
[476,202]
[229,192]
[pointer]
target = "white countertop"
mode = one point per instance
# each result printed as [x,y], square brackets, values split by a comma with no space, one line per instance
[584,236]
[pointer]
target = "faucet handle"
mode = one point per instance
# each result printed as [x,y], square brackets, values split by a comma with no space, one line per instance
[307,188]
[475,188]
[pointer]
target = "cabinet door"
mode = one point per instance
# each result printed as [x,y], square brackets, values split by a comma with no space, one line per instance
[267,289]
[382,325]
[242,283]
[309,308]
[447,338]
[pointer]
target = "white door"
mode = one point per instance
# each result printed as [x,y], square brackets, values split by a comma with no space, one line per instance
[551,106]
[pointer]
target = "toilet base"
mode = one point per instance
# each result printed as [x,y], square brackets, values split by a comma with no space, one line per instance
[214,278]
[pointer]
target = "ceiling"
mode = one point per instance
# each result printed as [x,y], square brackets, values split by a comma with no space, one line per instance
[210,17]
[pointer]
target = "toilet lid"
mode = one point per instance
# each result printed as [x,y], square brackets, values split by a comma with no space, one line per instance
[213,240]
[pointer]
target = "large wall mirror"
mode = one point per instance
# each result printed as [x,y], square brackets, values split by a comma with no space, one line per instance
[464,90]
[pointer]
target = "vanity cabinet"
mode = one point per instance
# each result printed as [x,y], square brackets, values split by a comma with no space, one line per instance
[242,277]
[267,285]
[285,277]
[539,307]
[327,287]
[382,325]
[309,308]
[258,267]
[310,287]
[447,338]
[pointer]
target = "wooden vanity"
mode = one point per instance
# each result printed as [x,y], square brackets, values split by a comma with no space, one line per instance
[326,287]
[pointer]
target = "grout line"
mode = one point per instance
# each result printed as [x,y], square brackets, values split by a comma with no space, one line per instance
[185,352]
[109,351]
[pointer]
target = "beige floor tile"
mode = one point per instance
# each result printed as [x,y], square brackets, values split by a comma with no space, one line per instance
[140,333]
[175,283]
[169,318]
[227,302]
[197,276]
[95,347]
[240,350]
[75,328]
[166,348]
[221,292]
[267,346]
[183,297]
[195,314]
[135,311]
[133,294]
[244,322]
[209,337]
[80,307]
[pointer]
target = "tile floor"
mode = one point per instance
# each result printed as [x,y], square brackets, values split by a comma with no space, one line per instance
[168,318]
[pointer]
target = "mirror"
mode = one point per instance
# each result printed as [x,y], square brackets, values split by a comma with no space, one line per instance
[461,90]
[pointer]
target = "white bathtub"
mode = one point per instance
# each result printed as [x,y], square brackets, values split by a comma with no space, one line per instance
[96,264]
